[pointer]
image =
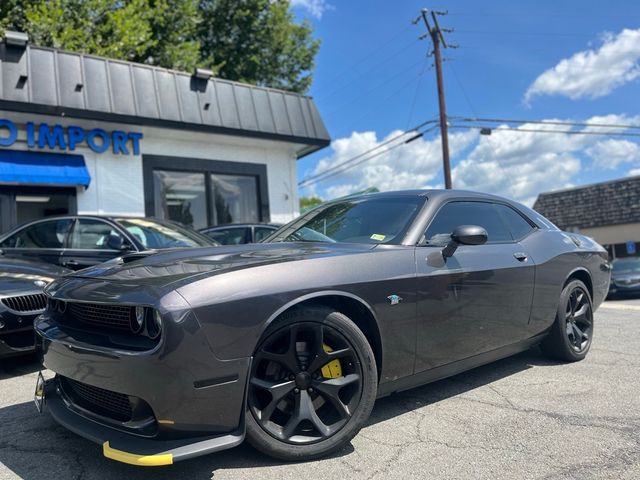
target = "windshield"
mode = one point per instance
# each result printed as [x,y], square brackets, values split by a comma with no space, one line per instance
[359,220]
[155,235]
[626,266]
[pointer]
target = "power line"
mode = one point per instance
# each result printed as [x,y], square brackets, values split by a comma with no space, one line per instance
[545,122]
[374,52]
[489,129]
[464,92]
[352,162]
[366,92]
[375,66]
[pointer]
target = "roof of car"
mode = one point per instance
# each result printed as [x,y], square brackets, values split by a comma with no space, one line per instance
[429,193]
[240,225]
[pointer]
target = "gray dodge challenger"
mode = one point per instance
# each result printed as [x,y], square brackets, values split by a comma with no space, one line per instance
[288,343]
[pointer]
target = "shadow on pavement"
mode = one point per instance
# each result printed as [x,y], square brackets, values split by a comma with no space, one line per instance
[21,365]
[33,446]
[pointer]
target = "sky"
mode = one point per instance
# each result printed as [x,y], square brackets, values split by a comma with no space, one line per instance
[565,61]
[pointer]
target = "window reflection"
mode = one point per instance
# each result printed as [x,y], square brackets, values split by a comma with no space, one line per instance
[235,199]
[181,196]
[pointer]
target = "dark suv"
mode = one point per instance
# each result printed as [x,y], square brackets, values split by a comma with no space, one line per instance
[79,241]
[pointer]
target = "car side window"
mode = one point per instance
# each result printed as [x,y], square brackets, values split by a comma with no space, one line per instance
[46,234]
[518,226]
[229,236]
[454,214]
[261,233]
[90,234]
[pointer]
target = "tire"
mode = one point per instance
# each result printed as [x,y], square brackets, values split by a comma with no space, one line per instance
[570,336]
[285,388]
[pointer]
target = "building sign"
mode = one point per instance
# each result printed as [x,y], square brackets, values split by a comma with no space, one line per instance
[631,247]
[56,137]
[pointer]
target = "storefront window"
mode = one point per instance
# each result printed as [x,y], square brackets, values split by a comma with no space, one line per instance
[234,199]
[181,196]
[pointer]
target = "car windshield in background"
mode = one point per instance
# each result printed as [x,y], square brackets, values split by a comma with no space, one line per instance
[626,266]
[360,220]
[156,235]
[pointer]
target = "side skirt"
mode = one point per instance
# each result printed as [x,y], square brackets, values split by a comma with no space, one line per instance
[444,371]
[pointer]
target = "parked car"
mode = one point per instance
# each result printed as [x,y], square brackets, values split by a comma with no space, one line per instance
[21,301]
[625,277]
[290,342]
[239,233]
[80,241]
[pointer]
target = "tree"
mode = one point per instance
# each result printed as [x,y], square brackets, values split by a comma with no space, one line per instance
[257,41]
[158,32]
[253,41]
[307,203]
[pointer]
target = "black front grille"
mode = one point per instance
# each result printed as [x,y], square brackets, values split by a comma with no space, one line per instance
[116,317]
[26,303]
[98,400]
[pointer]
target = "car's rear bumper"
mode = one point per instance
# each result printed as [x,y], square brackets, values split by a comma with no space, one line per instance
[131,449]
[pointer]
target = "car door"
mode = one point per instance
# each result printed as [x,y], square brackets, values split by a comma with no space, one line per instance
[43,241]
[92,241]
[480,298]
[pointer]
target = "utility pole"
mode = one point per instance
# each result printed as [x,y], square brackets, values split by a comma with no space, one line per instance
[437,39]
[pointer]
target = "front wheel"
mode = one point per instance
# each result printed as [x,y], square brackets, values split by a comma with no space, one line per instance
[312,386]
[571,335]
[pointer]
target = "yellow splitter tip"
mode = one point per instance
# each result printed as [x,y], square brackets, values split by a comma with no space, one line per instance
[138,460]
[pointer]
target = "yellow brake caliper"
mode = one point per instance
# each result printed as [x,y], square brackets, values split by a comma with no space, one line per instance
[333,369]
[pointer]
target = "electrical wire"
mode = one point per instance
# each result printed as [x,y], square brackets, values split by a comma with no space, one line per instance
[367,92]
[544,122]
[539,130]
[351,162]
[372,53]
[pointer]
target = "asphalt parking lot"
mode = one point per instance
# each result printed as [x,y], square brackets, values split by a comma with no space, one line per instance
[522,417]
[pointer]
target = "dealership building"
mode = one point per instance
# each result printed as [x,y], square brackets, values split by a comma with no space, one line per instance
[89,135]
[609,212]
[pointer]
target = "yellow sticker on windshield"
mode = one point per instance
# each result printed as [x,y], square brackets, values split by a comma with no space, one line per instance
[378,237]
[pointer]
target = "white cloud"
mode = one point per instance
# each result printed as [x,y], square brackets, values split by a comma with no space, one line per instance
[316,8]
[412,165]
[518,165]
[609,154]
[592,73]
[634,172]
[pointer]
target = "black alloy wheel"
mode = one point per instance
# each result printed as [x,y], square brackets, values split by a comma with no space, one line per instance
[579,319]
[569,338]
[312,385]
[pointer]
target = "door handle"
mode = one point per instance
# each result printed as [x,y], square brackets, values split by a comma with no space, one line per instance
[520,256]
[71,263]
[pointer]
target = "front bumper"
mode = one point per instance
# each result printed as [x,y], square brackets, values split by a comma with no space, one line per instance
[131,449]
[16,334]
[197,401]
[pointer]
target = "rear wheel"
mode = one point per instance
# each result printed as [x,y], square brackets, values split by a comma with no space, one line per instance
[312,386]
[571,335]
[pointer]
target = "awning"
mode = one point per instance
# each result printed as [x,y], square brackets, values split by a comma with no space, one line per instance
[44,169]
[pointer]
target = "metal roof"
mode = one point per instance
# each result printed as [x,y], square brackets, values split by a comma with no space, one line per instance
[598,205]
[50,81]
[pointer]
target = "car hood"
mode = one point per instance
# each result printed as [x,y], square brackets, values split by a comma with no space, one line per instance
[167,267]
[18,276]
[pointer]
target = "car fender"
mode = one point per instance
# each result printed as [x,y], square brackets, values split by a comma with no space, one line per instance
[318,294]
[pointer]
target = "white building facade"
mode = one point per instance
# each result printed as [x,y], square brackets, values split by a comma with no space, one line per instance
[86,135]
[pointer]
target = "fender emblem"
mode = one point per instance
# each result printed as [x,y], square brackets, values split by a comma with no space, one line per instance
[394,299]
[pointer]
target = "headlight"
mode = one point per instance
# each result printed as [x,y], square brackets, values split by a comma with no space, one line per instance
[154,324]
[137,319]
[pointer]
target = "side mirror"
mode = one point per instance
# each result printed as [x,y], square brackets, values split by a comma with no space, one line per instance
[116,242]
[465,235]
